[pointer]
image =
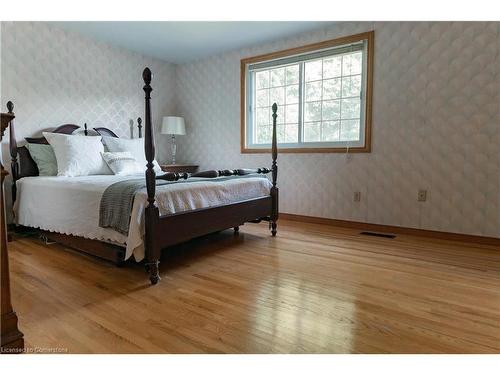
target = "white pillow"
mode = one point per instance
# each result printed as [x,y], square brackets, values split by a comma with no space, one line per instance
[122,163]
[77,155]
[134,146]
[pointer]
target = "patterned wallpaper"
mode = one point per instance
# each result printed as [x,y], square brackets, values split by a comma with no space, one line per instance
[436,119]
[56,77]
[436,126]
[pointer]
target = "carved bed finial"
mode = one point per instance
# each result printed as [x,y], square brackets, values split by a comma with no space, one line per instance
[139,126]
[10,106]
[146,76]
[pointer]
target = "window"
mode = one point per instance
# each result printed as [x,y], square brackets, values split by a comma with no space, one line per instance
[323,92]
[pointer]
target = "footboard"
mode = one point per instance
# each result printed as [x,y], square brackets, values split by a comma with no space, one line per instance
[181,227]
[167,230]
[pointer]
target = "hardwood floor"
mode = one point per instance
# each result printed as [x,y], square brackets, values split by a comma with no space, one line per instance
[312,289]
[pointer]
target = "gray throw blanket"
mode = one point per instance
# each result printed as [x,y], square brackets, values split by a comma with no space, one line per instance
[118,199]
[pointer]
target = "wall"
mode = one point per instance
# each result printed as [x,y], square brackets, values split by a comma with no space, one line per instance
[436,126]
[436,117]
[56,77]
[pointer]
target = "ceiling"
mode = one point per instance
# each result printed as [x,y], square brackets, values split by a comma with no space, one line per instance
[180,42]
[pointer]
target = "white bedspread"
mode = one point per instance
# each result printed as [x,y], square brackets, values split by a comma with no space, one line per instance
[70,205]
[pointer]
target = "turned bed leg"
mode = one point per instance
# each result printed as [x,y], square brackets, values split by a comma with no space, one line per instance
[153,269]
[236,230]
[274,169]
[274,230]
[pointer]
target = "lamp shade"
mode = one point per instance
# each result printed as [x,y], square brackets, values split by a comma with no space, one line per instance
[173,125]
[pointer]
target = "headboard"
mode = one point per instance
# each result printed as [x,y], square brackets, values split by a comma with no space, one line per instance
[105,132]
[22,165]
[63,129]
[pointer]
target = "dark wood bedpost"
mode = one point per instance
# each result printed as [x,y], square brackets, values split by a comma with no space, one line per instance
[139,126]
[274,189]
[85,130]
[11,338]
[14,165]
[152,214]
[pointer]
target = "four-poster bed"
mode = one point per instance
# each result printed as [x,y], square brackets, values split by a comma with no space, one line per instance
[163,231]
[166,229]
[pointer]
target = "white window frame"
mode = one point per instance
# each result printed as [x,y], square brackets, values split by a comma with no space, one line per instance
[250,66]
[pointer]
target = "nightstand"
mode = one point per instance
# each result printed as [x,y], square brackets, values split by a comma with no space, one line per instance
[179,168]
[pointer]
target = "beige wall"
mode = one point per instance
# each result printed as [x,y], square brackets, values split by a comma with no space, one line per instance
[436,126]
[56,77]
[436,118]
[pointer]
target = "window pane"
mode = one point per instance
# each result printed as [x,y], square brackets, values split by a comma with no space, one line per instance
[352,63]
[331,110]
[325,92]
[351,86]
[263,117]
[330,131]
[263,98]
[314,70]
[312,111]
[277,95]
[292,94]
[312,131]
[291,133]
[292,74]
[278,77]
[280,132]
[281,115]
[331,88]
[349,130]
[313,91]
[292,114]
[264,134]
[332,67]
[351,108]
[262,79]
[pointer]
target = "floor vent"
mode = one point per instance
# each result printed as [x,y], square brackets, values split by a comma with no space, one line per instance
[384,235]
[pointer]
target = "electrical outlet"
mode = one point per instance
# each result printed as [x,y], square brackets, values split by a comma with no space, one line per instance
[357,196]
[422,195]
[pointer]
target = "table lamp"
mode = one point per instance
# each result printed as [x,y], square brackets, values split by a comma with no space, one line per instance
[173,126]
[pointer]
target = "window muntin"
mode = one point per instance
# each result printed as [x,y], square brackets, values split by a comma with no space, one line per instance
[321,97]
[279,85]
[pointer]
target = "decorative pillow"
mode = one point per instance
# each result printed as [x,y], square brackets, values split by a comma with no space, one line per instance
[44,157]
[122,163]
[77,155]
[134,146]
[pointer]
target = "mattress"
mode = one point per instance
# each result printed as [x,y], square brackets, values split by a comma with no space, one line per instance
[70,205]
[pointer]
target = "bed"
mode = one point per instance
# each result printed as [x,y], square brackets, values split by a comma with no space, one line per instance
[165,210]
[49,203]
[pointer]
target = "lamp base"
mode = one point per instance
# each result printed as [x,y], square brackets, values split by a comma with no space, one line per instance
[174,149]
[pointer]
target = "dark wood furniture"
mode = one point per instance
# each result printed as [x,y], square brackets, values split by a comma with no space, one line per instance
[180,168]
[11,338]
[165,230]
